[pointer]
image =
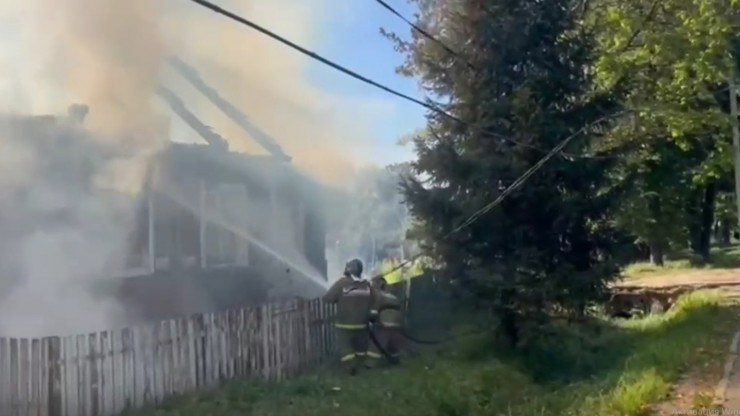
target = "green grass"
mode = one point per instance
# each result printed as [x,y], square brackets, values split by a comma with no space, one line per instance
[606,369]
[722,258]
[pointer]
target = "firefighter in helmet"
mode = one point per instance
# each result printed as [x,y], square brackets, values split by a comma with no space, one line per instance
[354,298]
[387,327]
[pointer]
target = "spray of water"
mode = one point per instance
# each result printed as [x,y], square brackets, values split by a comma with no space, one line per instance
[67,195]
[286,254]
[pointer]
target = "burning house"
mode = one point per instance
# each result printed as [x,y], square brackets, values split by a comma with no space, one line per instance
[217,229]
[211,229]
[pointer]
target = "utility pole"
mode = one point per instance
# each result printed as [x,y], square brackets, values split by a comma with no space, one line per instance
[735,142]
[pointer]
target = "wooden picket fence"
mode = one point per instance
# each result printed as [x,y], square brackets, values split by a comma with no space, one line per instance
[110,372]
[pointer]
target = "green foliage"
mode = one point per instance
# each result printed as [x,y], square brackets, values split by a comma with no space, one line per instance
[617,371]
[673,57]
[524,74]
[726,210]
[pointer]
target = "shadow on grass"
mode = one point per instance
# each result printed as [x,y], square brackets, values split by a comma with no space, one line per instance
[562,353]
[616,368]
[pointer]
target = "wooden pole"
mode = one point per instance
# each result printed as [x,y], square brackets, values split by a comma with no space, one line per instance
[735,142]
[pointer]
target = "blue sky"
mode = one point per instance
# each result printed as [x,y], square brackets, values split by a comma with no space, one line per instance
[354,41]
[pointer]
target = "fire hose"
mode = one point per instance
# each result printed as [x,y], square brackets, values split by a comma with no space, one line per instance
[383,351]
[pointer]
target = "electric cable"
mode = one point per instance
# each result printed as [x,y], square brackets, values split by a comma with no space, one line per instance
[220,10]
[424,33]
[511,188]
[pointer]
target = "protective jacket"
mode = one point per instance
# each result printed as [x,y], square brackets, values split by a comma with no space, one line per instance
[354,299]
[389,309]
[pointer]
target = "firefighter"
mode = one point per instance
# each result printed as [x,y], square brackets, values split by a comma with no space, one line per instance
[387,328]
[354,298]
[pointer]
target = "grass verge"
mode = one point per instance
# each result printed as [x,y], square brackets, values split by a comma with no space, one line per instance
[721,258]
[606,369]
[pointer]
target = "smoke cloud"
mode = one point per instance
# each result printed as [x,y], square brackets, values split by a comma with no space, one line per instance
[324,133]
[67,195]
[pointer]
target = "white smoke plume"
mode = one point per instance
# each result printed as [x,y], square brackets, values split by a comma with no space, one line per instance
[60,225]
[68,205]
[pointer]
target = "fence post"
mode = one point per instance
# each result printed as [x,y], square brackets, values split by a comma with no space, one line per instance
[55,376]
[305,326]
[200,348]
[266,335]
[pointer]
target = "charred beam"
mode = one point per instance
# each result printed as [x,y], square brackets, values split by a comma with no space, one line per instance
[177,105]
[192,76]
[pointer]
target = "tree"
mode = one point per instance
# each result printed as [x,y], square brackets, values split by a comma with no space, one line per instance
[521,71]
[652,206]
[674,56]
[726,217]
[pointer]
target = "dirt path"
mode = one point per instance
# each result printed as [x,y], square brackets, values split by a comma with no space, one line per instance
[716,277]
[696,390]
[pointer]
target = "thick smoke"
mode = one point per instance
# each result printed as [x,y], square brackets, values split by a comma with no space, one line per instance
[60,228]
[324,133]
[66,195]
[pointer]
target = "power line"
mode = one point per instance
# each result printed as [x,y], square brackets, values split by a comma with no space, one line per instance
[531,171]
[220,10]
[511,188]
[424,33]
[485,209]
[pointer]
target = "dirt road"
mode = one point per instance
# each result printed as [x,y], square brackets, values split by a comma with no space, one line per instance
[726,280]
[711,277]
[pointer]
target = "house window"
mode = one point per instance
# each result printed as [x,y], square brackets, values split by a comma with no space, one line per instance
[226,225]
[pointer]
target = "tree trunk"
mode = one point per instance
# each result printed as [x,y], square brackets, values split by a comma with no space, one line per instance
[707,219]
[693,215]
[724,233]
[657,254]
[656,241]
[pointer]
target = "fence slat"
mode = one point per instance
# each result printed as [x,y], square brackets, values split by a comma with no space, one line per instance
[158,362]
[111,372]
[199,338]
[34,400]
[128,374]
[148,350]
[54,379]
[68,375]
[94,374]
[117,366]
[106,379]
[5,397]
[189,354]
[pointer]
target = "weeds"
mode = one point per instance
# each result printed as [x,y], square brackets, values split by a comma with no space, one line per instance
[609,369]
